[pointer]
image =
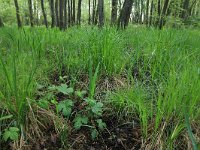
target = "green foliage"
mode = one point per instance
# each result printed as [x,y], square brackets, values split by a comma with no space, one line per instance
[65,107]
[11,133]
[79,121]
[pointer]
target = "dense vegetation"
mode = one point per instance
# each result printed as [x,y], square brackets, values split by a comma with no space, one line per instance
[99,83]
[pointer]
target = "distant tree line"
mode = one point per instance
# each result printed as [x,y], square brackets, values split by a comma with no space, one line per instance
[67,13]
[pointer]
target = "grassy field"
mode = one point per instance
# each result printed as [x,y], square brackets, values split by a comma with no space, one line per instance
[86,88]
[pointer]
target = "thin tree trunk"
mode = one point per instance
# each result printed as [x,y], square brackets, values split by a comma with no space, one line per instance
[114,12]
[94,11]
[79,12]
[57,14]
[151,13]
[89,13]
[73,11]
[163,15]
[147,13]
[65,14]
[125,14]
[101,12]
[69,13]
[30,12]
[61,14]
[44,14]
[19,23]
[51,2]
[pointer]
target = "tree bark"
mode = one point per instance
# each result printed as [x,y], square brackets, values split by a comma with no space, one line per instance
[89,13]
[79,12]
[51,3]
[61,14]
[19,23]
[57,14]
[44,14]
[30,12]
[163,15]
[114,12]
[151,13]
[94,11]
[69,13]
[125,14]
[65,14]
[147,13]
[73,12]
[101,12]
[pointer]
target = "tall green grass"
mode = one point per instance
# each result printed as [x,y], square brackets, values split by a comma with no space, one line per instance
[166,63]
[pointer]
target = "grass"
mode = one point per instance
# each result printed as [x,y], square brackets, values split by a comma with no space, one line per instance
[158,70]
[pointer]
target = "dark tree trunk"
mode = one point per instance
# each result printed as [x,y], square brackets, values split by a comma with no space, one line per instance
[69,13]
[125,14]
[159,13]
[61,14]
[19,23]
[51,3]
[79,12]
[57,14]
[151,13]
[163,15]
[44,14]
[114,12]
[141,10]
[73,12]
[89,13]
[94,11]
[185,10]
[1,22]
[65,14]
[147,13]
[30,12]
[101,12]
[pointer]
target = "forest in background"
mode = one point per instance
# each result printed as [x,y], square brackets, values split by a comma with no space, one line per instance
[66,13]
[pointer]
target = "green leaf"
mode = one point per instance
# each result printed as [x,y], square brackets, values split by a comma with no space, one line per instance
[97,109]
[43,103]
[11,133]
[65,107]
[80,93]
[6,117]
[63,89]
[101,124]
[79,121]
[94,134]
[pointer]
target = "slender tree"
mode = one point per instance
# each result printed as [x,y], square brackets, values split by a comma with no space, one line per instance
[125,14]
[61,14]
[30,12]
[147,13]
[51,3]
[65,14]
[57,13]
[19,23]
[69,13]
[79,12]
[101,12]
[73,12]
[163,14]
[94,4]
[114,12]
[44,14]
[89,13]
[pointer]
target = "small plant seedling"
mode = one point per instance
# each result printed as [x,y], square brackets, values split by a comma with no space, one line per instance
[65,107]
[11,133]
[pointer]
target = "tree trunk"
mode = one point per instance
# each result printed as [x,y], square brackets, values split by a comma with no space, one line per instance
[125,14]
[147,13]
[89,13]
[185,10]
[101,12]
[74,12]
[44,14]
[1,22]
[94,11]
[79,12]
[69,13]
[19,23]
[57,14]
[114,12]
[65,14]
[61,14]
[151,13]
[163,15]
[30,12]
[51,2]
